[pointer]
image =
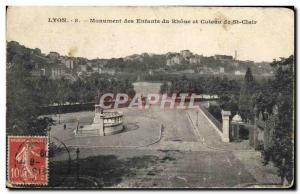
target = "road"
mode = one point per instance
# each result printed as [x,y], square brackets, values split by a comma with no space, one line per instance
[180,159]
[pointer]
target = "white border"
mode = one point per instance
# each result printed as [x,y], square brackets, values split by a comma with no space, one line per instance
[151,2]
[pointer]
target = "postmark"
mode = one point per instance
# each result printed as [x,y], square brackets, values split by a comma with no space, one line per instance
[27,160]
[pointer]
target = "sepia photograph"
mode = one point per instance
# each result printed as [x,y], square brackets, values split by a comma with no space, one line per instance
[150,97]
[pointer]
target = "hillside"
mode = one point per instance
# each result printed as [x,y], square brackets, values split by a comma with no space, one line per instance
[55,65]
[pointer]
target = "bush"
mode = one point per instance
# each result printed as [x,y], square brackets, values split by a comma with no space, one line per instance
[215,110]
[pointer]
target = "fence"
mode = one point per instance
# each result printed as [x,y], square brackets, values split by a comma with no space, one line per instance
[67,108]
[211,118]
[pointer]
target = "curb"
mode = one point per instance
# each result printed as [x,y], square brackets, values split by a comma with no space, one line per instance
[212,124]
[121,147]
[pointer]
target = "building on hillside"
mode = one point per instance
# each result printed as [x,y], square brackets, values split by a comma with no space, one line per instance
[97,69]
[136,57]
[223,57]
[205,70]
[108,71]
[82,68]
[222,70]
[186,54]
[69,63]
[53,56]
[195,59]
[237,72]
[235,55]
[236,63]
[70,77]
[150,72]
[38,70]
[57,71]
[186,71]
[175,60]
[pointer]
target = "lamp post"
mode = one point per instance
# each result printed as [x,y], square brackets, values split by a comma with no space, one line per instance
[238,132]
[77,164]
[77,125]
[197,118]
[49,134]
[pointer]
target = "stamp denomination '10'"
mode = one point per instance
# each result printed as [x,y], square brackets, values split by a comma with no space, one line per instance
[27,160]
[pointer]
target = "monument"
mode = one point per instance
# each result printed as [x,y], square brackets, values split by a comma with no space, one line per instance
[104,123]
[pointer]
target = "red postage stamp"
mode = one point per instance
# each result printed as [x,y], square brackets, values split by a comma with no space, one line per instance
[27,160]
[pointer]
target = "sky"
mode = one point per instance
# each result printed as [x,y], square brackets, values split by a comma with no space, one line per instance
[271,37]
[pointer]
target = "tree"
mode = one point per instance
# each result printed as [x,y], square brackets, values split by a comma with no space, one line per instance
[23,101]
[264,97]
[62,93]
[164,88]
[282,152]
[245,101]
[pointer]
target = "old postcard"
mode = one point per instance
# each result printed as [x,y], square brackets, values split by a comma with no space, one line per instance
[163,97]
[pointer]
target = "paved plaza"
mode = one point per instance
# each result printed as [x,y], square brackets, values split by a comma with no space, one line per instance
[161,148]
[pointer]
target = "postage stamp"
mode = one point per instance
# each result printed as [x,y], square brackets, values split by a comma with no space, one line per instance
[27,160]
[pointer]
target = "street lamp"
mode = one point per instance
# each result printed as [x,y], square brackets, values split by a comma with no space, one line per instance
[197,121]
[49,134]
[77,162]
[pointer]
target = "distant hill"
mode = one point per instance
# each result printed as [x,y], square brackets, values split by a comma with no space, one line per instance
[55,65]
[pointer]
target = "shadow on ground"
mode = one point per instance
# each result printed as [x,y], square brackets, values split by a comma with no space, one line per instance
[130,127]
[100,171]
